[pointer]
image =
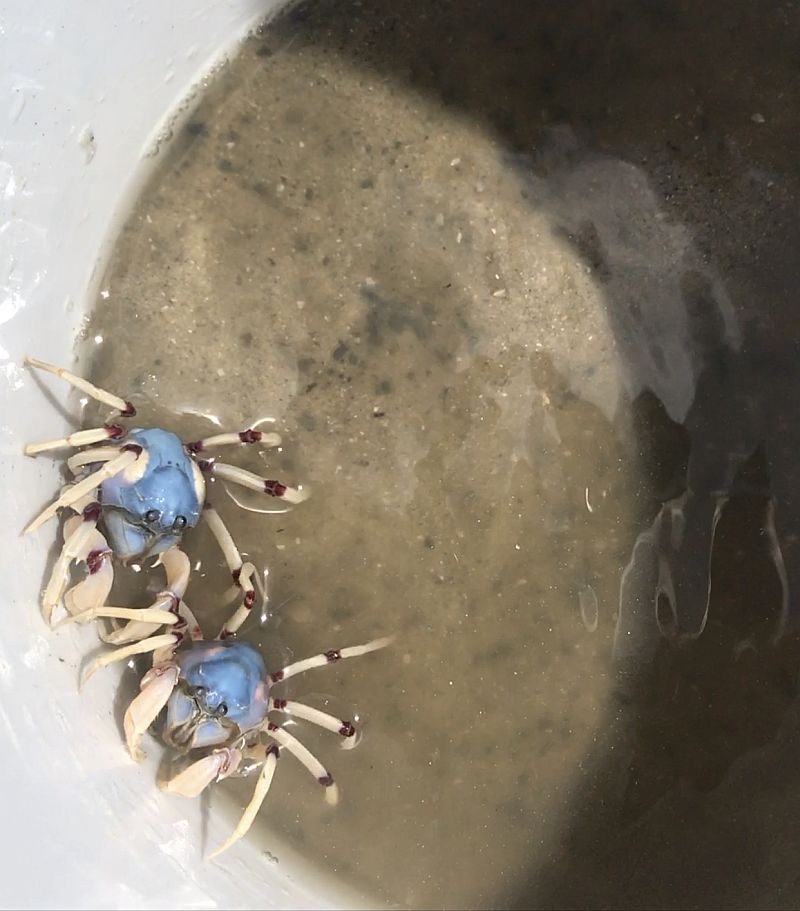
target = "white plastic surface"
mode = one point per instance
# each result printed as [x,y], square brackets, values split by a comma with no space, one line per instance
[84,90]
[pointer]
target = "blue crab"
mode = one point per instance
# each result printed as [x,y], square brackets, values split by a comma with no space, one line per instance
[136,493]
[218,700]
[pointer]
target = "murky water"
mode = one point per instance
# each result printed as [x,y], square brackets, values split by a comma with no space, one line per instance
[492,361]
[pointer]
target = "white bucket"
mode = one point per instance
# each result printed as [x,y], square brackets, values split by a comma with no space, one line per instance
[88,91]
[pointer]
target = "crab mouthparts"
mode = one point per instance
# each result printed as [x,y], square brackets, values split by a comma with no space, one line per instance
[180,737]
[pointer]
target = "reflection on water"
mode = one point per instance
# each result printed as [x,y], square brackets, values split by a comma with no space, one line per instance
[522,301]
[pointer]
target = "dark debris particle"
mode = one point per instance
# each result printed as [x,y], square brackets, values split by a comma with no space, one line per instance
[246,338]
[379,414]
[225,165]
[196,128]
[429,542]
[367,184]
[340,351]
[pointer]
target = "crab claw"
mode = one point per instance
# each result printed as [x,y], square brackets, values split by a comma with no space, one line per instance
[156,688]
[194,779]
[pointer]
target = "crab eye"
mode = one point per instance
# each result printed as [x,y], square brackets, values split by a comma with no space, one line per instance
[222,709]
[200,691]
[152,515]
[179,524]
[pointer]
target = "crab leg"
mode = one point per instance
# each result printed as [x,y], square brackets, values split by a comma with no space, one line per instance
[228,439]
[292,745]
[152,644]
[79,438]
[243,573]
[245,582]
[323,658]
[227,545]
[252,481]
[177,567]
[306,758]
[315,716]
[91,457]
[126,409]
[157,684]
[80,539]
[259,796]
[91,548]
[75,491]
[152,615]
[137,629]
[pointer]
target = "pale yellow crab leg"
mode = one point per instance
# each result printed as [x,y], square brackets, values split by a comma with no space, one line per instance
[315,716]
[329,657]
[79,438]
[254,482]
[259,796]
[177,567]
[152,644]
[152,615]
[80,536]
[75,491]
[306,758]
[243,573]
[224,539]
[248,600]
[137,629]
[91,456]
[193,780]
[89,547]
[100,395]
[251,435]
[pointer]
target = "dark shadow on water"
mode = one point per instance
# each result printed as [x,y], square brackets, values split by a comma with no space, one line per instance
[686,115]
[694,787]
